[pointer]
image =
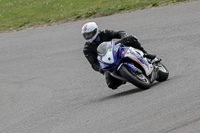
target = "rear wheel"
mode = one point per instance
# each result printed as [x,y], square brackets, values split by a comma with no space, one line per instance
[137,79]
[163,73]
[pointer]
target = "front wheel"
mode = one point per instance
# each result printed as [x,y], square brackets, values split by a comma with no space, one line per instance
[137,79]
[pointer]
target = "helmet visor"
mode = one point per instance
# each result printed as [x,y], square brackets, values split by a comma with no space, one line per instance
[89,35]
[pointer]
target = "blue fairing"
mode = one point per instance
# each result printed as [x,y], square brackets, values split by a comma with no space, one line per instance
[118,55]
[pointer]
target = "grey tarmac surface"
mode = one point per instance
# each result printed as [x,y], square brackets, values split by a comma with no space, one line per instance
[47,85]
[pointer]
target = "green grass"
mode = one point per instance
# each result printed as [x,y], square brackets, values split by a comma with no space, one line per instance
[21,14]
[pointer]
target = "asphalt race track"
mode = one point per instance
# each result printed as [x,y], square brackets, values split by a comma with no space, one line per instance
[47,85]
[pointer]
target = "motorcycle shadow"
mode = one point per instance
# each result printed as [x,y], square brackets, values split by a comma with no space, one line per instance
[126,93]
[121,94]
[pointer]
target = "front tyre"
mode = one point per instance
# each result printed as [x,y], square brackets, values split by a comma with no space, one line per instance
[137,79]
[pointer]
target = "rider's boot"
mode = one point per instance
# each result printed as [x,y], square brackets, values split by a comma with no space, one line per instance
[150,56]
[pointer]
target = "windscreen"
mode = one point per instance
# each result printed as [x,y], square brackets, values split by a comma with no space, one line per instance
[102,48]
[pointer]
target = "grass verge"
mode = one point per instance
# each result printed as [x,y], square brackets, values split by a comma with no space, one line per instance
[21,14]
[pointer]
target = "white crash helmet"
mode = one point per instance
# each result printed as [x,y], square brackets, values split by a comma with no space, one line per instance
[90,31]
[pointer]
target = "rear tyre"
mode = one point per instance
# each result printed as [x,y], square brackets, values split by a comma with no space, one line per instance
[163,73]
[137,79]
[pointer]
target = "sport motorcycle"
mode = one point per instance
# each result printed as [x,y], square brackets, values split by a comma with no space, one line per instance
[130,65]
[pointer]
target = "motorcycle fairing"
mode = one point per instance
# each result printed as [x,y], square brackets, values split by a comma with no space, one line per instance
[137,56]
[112,58]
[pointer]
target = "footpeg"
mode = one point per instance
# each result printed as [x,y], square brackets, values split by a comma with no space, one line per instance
[156,60]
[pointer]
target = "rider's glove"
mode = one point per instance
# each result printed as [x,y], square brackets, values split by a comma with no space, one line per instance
[129,39]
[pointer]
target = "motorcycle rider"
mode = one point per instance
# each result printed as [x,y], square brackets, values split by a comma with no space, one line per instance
[93,37]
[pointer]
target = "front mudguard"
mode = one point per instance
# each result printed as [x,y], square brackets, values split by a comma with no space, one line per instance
[128,65]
